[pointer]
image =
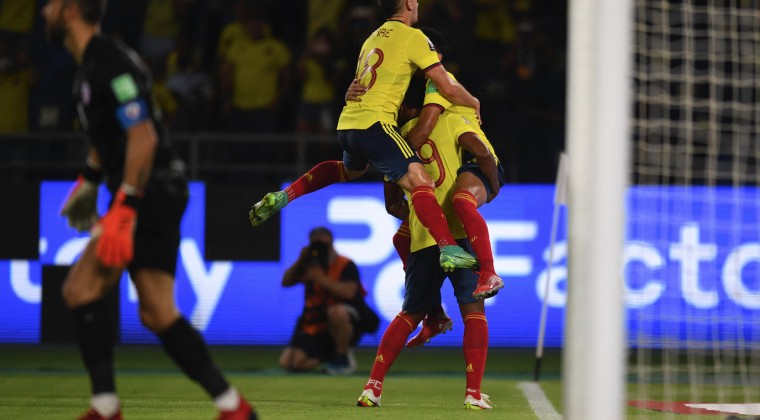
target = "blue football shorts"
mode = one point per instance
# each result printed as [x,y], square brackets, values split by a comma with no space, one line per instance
[424,278]
[472,167]
[381,146]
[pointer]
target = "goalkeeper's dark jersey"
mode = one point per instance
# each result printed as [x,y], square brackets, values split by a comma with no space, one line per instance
[113,92]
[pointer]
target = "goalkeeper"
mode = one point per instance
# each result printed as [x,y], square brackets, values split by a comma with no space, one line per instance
[129,149]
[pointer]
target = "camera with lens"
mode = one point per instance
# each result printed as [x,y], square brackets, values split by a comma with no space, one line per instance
[318,254]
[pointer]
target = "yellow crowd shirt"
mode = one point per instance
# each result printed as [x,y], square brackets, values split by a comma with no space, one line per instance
[160,20]
[17,15]
[317,89]
[257,71]
[442,158]
[433,96]
[14,101]
[387,61]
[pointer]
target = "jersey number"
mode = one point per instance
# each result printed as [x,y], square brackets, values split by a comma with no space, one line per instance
[370,68]
[434,157]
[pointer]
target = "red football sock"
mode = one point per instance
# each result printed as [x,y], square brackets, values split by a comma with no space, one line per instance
[326,173]
[475,349]
[431,215]
[402,241]
[466,207]
[393,341]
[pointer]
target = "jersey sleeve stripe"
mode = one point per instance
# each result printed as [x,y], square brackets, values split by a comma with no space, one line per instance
[406,150]
[434,65]
[439,106]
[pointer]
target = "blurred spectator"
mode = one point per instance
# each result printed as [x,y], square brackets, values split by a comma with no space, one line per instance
[191,88]
[255,77]
[361,18]
[161,93]
[15,84]
[318,74]
[163,22]
[323,14]
[235,30]
[456,19]
[17,16]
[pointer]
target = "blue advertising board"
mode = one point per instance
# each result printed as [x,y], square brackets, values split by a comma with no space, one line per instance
[685,252]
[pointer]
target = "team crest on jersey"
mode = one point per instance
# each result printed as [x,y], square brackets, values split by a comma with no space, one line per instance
[85,92]
[132,111]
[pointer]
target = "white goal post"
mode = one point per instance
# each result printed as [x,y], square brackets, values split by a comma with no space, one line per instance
[598,117]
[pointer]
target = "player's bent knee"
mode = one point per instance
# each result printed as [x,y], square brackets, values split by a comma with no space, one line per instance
[157,320]
[76,294]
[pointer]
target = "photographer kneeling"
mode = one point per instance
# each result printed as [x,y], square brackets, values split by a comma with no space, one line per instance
[334,315]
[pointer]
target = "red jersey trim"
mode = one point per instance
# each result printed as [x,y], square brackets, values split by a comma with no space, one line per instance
[441,108]
[431,66]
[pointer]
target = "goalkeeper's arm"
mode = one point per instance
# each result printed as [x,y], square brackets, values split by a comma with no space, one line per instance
[115,247]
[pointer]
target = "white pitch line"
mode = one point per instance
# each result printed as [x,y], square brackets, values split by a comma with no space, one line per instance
[542,407]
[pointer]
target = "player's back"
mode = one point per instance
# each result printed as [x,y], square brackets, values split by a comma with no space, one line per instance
[433,96]
[388,59]
[442,157]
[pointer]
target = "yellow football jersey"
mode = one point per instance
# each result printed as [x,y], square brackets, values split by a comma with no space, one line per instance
[441,155]
[433,96]
[387,61]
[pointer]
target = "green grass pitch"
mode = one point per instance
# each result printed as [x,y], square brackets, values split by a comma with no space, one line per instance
[48,382]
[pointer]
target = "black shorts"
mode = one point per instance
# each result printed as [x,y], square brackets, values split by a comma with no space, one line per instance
[157,232]
[381,146]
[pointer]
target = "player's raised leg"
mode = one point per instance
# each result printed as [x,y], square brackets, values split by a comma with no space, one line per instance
[322,175]
[472,191]
[430,214]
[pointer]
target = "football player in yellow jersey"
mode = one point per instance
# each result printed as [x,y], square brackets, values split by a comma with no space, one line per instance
[474,187]
[424,277]
[367,129]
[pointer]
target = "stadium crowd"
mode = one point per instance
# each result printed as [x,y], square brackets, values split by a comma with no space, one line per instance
[268,66]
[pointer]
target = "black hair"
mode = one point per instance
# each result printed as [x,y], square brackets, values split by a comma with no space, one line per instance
[320,230]
[389,7]
[415,94]
[92,10]
[437,38]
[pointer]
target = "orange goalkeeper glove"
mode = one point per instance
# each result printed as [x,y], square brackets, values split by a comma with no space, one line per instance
[116,242]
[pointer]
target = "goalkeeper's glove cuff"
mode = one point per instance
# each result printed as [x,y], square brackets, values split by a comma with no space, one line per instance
[128,196]
[92,174]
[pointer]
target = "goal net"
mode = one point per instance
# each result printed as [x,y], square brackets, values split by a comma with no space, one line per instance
[692,251]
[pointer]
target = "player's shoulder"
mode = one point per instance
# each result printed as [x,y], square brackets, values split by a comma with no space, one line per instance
[111,58]
[455,120]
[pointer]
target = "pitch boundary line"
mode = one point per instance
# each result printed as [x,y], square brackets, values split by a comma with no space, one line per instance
[542,407]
